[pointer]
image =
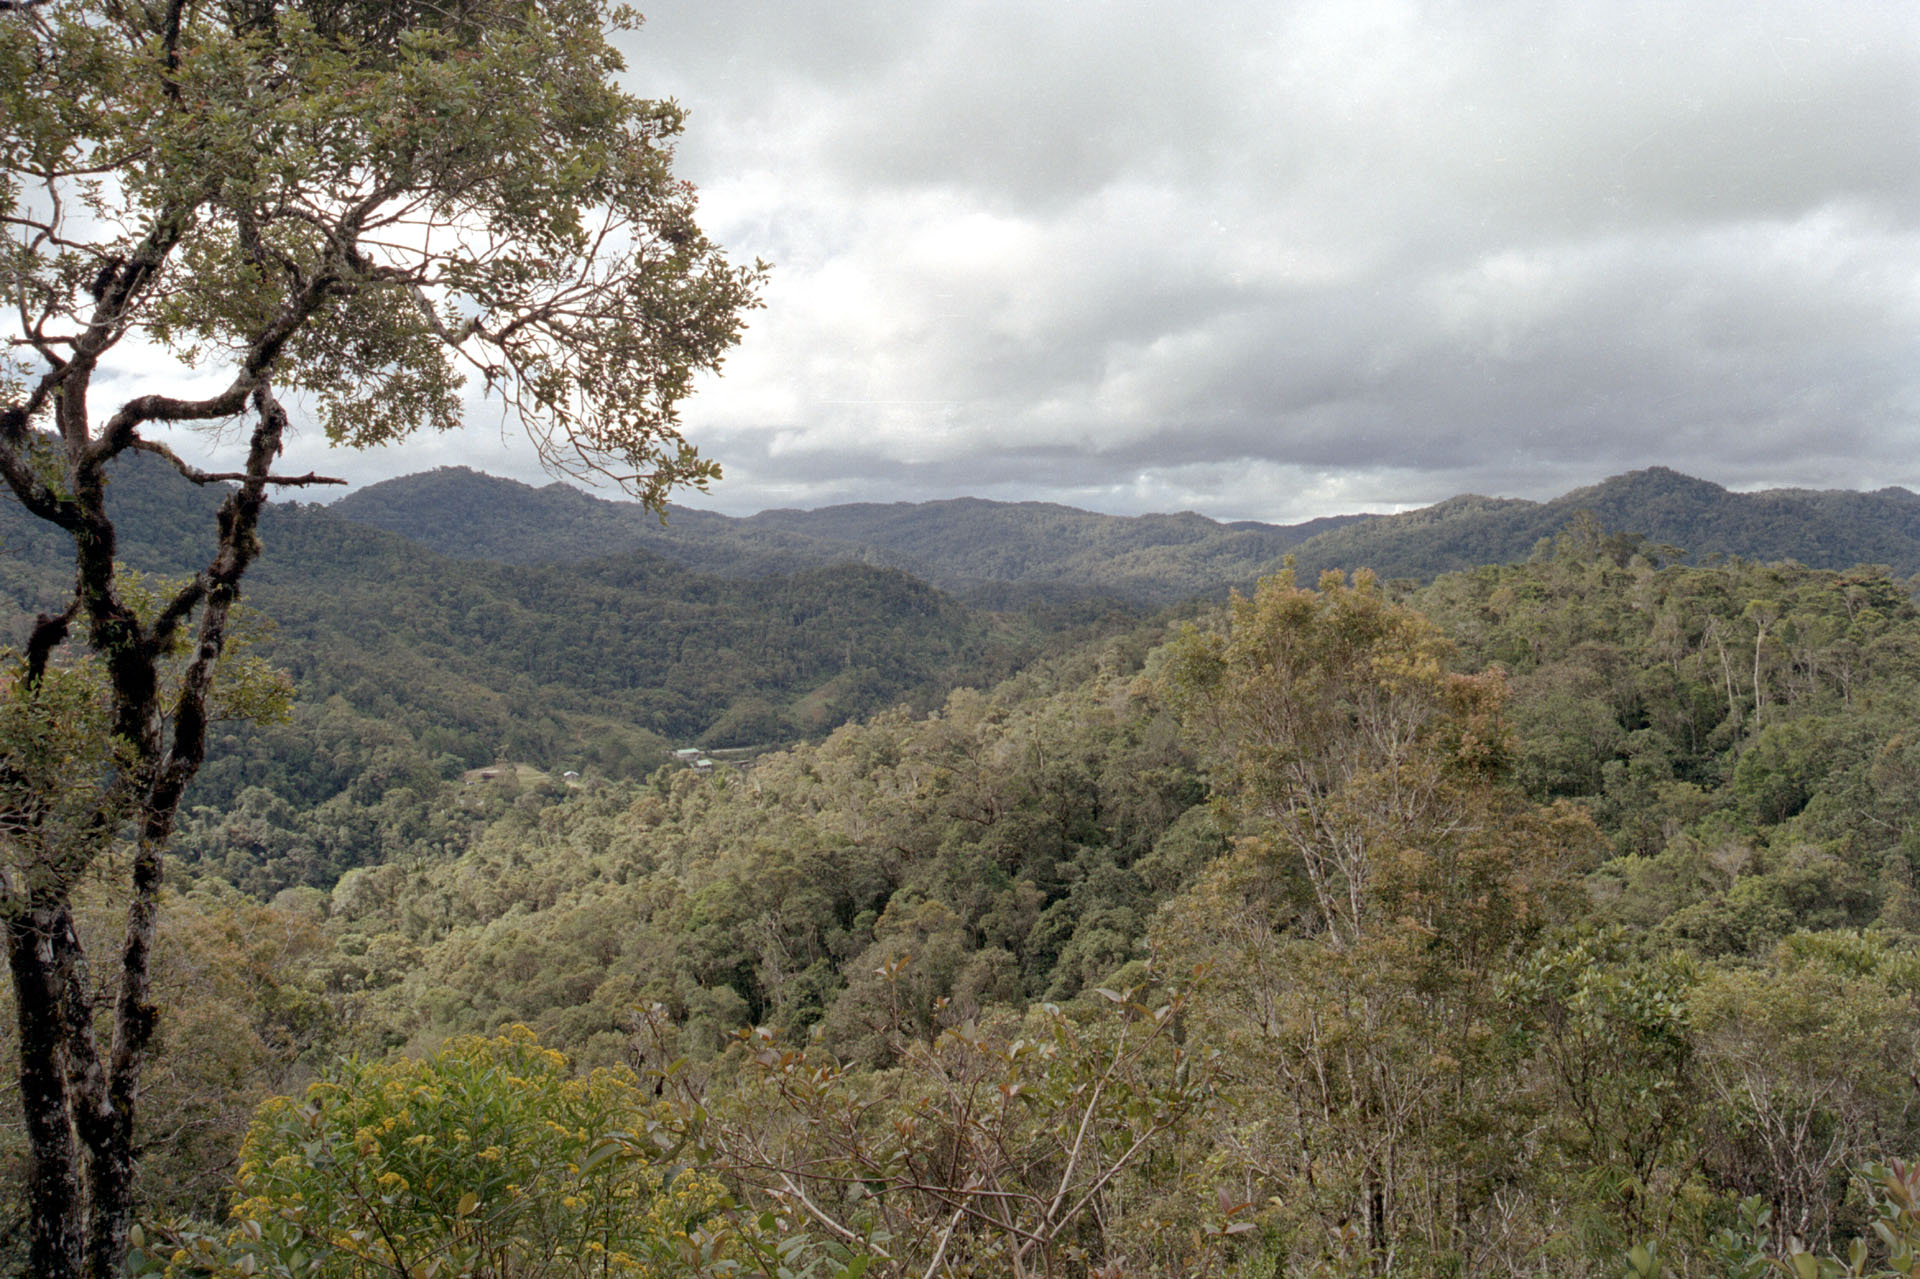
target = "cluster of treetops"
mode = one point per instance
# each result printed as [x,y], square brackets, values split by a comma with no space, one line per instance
[1557,918]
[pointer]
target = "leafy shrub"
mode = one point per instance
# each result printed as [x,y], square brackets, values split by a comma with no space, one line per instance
[486,1158]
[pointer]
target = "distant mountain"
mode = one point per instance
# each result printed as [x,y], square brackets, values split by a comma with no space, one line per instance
[474,516]
[997,553]
[1008,555]
[604,660]
[496,620]
[1821,529]
[635,639]
[974,546]
[1002,554]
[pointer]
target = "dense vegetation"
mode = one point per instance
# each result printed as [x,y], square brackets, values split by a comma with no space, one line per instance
[1821,529]
[998,552]
[414,667]
[1552,918]
[993,553]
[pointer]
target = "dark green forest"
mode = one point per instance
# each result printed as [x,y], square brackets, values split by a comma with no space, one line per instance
[1554,917]
[997,553]
[994,554]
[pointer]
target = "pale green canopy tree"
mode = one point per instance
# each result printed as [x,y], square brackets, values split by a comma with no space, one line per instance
[365,204]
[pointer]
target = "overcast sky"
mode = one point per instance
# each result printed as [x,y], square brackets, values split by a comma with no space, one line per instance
[1277,260]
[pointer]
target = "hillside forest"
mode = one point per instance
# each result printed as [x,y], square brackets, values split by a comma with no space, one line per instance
[1556,917]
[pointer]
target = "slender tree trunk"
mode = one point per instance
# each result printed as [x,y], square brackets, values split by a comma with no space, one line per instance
[1377,1220]
[79,1103]
[112,1166]
[55,1194]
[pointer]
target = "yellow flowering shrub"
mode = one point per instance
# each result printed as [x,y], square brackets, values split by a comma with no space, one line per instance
[487,1158]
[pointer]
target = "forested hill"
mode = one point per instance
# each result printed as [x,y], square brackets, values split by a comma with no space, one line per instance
[1585,889]
[470,515]
[994,553]
[1831,529]
[601,664]
[969,545]
[999,552]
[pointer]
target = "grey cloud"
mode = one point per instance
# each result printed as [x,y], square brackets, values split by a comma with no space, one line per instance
[1611,354]
[1278,260]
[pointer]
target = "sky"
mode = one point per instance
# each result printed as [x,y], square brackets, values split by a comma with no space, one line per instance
[1284,259]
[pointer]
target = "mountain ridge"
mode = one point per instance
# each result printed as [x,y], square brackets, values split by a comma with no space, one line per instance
[1830,528]
[603,661]
[994,554]
[1008,553]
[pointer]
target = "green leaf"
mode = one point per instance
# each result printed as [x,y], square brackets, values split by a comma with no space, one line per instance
[599,1155]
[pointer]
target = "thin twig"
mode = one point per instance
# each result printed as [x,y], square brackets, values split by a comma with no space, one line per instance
[199,476]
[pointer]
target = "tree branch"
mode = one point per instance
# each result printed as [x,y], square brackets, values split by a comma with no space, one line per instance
[118,434]
[199,476]
[34,494]
[49,630]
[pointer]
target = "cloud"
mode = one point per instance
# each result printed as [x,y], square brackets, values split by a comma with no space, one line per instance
[1120,253]
[1284,260]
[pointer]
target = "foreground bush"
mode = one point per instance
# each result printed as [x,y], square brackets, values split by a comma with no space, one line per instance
[486,1158]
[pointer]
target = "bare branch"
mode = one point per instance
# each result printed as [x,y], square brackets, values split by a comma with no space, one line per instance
[118,434]
[199,476]
[933,1267]
[833,1227]
[178,609]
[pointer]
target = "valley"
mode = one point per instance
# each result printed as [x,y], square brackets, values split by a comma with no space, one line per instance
[1656,832]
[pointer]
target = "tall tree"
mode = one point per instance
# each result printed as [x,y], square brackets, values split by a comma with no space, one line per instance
[1382,876]
[354,202]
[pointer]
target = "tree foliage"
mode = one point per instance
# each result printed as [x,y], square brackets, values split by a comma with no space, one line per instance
[486,1158]
[356,204]
[1609,963]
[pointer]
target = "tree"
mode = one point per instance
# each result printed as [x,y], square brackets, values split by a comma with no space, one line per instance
[486,1158]
[1612,1049]
[1806,1064]
[1341,739]
[1019,1146]
[1382,877]
[355,202]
